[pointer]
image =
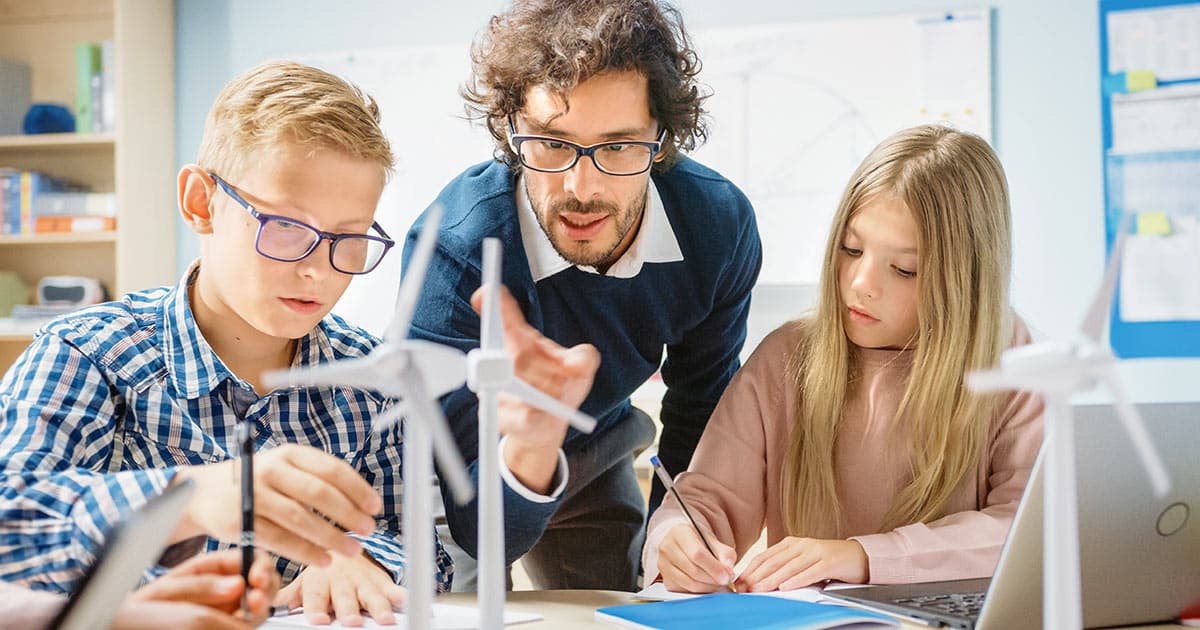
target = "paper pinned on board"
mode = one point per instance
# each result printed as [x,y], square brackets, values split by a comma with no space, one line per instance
[1156,120]
[951,68]
[1160,275]
[1163,39]
[445,617]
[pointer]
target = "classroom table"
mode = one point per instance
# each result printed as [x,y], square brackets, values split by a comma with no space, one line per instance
[569,610]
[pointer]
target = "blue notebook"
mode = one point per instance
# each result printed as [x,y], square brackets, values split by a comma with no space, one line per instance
[732,610]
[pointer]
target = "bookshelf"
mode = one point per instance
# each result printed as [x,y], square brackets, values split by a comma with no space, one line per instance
[136,161]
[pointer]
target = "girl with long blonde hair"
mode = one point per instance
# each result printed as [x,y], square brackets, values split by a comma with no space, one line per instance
[849,434]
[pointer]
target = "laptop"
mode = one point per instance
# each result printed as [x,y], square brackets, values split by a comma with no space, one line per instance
[132,545]
[1139,555]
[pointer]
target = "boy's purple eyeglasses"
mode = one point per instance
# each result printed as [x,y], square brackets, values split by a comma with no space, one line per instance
[288,240]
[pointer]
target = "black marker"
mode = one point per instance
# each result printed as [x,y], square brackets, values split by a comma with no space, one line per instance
[246,436]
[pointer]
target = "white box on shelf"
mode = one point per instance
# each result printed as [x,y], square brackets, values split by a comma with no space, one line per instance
[15,94]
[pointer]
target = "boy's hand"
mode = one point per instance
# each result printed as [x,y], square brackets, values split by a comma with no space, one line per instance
[798,562]
[351,584]
[294,486]
[687,566]
[534,437]
[204,592]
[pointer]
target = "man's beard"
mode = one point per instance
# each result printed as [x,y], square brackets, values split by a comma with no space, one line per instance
[576,253]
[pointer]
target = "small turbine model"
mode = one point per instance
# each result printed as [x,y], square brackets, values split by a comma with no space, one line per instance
[489,373]
[418,373]
[1057,370]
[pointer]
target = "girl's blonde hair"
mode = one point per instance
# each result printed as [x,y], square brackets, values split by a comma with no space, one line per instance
[953,184]
[285,102]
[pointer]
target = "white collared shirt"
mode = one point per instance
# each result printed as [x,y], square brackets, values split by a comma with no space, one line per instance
[655,241]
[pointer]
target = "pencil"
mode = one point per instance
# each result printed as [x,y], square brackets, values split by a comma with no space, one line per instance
[670,485]
[246,436]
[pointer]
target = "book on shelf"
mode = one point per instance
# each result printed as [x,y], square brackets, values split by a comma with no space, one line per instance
[41,311]
[87,65]
[75,203]
[10,201]
[33,184]
[108,85]
[95,89]
[33,203]
[76,224]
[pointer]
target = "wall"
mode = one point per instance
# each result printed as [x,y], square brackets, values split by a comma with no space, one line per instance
[1046,102]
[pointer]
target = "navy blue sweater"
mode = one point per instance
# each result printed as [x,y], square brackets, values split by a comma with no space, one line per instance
[695,308]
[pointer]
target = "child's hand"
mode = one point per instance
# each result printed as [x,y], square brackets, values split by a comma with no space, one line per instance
[293,487]
[214,580]
[687,566]
[797,562]
[351,585]
[204,592]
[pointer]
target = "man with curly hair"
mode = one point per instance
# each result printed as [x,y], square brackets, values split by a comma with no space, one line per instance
[612,239]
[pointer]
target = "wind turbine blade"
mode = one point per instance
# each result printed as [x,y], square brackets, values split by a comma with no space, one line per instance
[414,276]
[539,399]
[492,325]
[426,409]
[390,416]
[1097,315]
[1160,481]
[349,372]
[989,381]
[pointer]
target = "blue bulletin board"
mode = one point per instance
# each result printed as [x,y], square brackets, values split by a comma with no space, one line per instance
[1150,104]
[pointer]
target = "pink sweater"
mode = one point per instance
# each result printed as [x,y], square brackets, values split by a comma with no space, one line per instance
[733,483]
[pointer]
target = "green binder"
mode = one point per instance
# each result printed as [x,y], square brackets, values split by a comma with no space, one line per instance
[87,66]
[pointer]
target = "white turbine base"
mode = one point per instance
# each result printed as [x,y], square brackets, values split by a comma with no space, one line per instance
[418,524]
[1062,606]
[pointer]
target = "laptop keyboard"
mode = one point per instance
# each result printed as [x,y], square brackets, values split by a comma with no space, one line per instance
[959,604]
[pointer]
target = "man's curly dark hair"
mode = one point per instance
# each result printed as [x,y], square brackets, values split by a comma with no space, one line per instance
[558,44]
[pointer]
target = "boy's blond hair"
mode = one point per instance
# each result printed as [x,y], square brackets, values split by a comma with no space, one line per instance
[286,102]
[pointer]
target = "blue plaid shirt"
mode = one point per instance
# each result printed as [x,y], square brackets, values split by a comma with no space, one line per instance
[99,411]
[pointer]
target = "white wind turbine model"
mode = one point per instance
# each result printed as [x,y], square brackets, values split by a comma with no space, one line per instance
[418,373]
[490,372]
[1057,370]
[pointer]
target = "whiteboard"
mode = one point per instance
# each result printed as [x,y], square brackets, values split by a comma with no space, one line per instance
[794,109]
[424,119]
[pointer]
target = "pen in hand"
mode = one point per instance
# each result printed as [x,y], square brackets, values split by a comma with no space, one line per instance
[246,436]
[670,485]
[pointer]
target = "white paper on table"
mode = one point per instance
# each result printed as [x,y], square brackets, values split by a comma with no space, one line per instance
[1160,275]
[658,592]
[445,617]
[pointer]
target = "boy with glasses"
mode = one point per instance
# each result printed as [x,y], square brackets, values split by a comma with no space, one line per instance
[112,404]
[612,238]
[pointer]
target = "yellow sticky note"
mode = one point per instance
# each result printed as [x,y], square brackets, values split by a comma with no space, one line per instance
[1138,80]
[1153,224]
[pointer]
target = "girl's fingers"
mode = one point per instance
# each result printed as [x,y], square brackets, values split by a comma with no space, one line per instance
[793,568]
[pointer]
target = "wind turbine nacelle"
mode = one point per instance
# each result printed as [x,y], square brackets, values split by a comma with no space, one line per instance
[442,366]
[1046,367]
[488,369]
[1058,361]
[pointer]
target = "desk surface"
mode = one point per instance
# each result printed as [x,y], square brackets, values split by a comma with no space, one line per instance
[568,610]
